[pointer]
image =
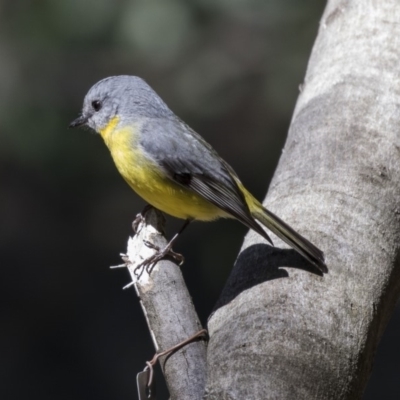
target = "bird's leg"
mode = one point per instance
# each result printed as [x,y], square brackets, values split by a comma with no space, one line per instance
[140,217]
[150,262]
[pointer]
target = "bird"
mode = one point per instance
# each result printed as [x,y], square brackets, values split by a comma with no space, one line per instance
[172,167]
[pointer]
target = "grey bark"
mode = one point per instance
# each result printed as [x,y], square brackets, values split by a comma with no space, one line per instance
[169,312]
[280,331]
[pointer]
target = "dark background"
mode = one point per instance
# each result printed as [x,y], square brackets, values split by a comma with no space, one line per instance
[231,69]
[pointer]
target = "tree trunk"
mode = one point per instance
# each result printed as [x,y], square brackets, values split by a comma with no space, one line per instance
[279,330]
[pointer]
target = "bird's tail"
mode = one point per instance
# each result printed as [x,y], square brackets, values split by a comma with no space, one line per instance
[290,236]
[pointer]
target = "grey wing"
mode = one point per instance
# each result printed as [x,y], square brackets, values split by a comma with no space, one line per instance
[190,161]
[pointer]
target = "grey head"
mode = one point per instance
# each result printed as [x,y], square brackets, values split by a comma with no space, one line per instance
[127,97]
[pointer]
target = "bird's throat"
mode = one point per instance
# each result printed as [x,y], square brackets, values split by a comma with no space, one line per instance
[108,129]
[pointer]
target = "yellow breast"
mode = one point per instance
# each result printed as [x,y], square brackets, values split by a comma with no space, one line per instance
[149,181]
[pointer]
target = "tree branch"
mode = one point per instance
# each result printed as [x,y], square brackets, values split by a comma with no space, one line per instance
[169,312]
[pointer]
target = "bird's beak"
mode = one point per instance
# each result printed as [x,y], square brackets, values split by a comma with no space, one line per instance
[81,120]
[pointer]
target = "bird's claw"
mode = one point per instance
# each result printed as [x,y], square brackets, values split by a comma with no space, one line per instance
[149,263]
[135,223]
[167,251]
[140,218]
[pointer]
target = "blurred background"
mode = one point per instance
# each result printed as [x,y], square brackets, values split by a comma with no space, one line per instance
[231,69]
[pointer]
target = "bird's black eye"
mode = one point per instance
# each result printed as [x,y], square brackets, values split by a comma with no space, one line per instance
[96,104]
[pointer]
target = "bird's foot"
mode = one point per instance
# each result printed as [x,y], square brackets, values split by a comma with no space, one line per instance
[166,251]
[148,264]
[140,218]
